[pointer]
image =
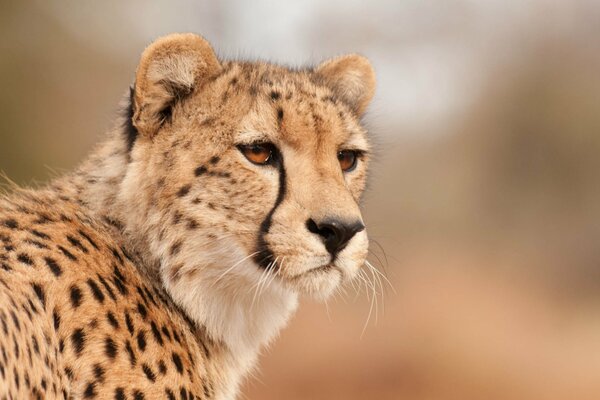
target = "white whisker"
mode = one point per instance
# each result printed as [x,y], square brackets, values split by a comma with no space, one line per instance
[232,267]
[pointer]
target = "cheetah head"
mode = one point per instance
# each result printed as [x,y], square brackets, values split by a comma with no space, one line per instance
[246,176]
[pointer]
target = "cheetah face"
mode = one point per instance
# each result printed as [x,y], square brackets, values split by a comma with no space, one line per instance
[252,173]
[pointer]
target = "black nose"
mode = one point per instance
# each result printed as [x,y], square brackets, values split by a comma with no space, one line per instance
[335,233]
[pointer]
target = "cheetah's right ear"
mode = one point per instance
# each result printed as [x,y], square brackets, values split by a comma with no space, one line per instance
[170,69]
[351,78]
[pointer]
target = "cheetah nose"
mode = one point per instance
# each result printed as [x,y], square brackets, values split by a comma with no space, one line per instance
[335,233]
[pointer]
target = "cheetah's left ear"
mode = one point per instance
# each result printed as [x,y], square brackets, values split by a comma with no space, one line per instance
[170,68]
[352,79]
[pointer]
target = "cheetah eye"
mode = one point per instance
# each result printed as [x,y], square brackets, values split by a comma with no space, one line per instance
[347,159]
[258,153]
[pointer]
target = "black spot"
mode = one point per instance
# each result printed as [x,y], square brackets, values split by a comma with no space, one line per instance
[99,372]
[110,348]
[141,340]
[69,372]
[275,95]
[115,253]
[75,294]
[39,292]
[156,334]
[129,130]
[43,219]
[177,217]
[117,272]
[107,287]
[96,292]
[53,265]
[137,395]
[200,170]
[129,323]
[279,114]
[67,253]
[175,248]
[150,297]
[88,238]
[15,320]
[184,190]
[170,394]
[142,310]
[119,284]
[37,244]
[165,332]
[36,346]
[149,373]
[119,393]
[214,160]
[132,358]
[39,234]
[113,222]
[178,363]
[78,340]
[25,259]
[10,223]
[112,320]
[76,243]
[5,267]
[162,367]
[90,391]
[183,393]
[56,319]
[192,224]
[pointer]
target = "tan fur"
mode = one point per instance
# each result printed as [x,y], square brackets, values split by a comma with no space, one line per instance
[159,240]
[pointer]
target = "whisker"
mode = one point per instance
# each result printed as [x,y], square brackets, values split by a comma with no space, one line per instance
[380,275]
[232,267]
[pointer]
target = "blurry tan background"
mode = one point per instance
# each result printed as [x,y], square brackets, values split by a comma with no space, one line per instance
[485,195]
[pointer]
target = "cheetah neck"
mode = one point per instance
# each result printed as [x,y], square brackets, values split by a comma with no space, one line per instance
[238,325]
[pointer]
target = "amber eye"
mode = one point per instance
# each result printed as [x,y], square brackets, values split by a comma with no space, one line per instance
[258,153]
[347,159]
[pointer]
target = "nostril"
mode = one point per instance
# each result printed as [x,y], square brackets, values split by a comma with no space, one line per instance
[335,234]
[311,225]
[326,231]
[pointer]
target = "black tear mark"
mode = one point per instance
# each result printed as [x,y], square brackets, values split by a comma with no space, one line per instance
[265,255]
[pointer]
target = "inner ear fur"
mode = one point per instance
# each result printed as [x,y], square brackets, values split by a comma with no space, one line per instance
[169,69]
[352,79]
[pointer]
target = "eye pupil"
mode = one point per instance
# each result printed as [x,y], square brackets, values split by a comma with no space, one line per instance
[347,159]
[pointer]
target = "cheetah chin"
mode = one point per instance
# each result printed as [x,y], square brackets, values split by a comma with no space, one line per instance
[178,249]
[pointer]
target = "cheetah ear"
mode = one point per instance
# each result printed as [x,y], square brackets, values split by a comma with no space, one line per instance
[351,78]
[169,69]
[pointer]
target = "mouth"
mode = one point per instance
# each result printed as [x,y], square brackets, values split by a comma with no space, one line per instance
[323,269]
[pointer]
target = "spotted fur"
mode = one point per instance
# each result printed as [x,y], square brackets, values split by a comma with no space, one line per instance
[167,260]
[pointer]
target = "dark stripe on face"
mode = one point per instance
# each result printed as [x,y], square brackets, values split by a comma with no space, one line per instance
[265,255]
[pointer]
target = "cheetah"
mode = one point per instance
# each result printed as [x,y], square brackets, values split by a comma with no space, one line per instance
[162,265]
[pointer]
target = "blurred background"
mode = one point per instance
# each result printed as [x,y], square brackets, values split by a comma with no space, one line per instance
[484,199]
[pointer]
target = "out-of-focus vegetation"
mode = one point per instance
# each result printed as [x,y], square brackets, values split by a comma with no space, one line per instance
[485,195]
